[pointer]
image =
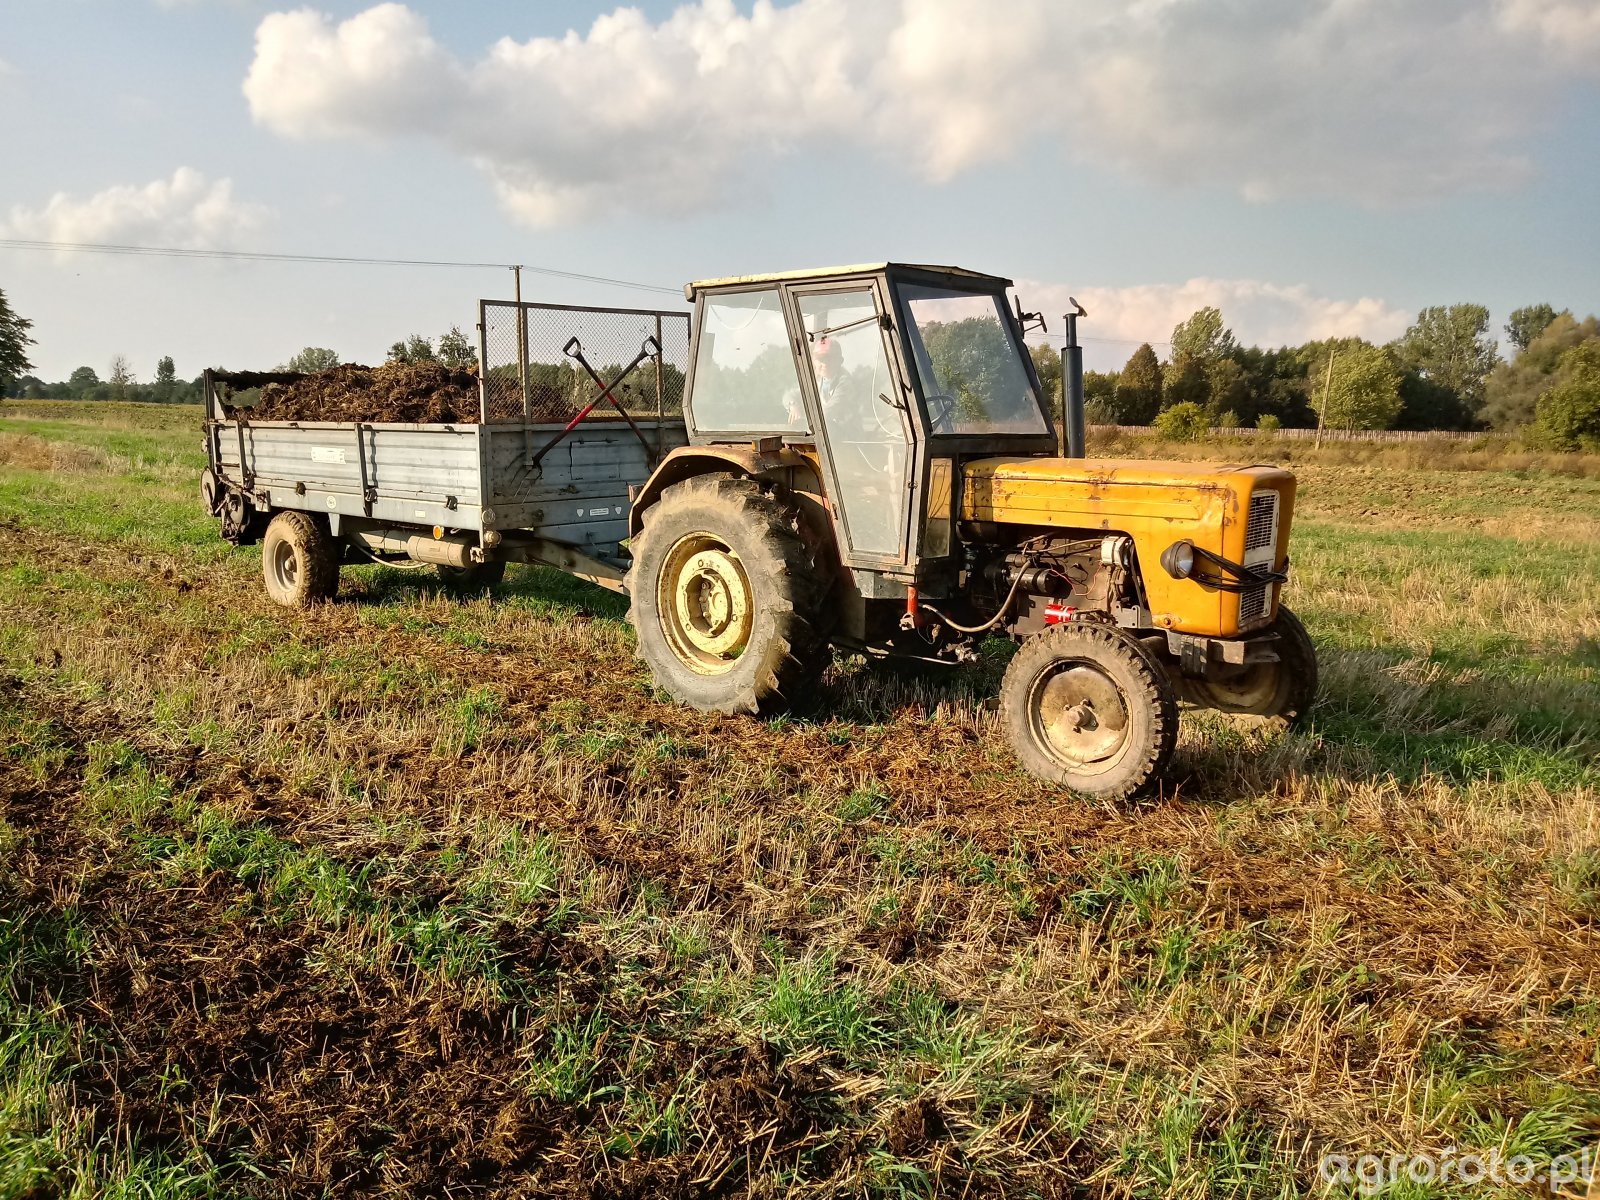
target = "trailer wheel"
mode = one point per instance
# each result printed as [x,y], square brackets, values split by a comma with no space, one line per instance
[299,560]
[1088,707]
[726,597]
[1282,690]
[469,581]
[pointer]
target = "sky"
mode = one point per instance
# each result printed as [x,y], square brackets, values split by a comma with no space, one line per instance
[1312,167]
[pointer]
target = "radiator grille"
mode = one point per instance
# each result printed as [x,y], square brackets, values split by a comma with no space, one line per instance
[1253,604]
[1262,530]
[1260,548]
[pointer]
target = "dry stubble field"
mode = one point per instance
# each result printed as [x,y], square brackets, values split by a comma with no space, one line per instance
[411,895]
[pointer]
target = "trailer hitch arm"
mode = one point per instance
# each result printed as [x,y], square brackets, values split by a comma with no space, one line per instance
[574,350]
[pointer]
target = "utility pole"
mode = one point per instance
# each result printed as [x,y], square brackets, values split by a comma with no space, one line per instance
[1327,394]
[522,347]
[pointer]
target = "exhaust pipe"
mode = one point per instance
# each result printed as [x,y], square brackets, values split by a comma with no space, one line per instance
[1073,436]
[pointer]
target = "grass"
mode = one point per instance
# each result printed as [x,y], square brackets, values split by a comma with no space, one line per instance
[408,894]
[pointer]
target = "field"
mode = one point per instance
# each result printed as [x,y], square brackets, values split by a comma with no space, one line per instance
[417,896]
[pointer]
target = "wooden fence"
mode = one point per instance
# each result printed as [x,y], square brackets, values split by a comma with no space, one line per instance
[1304,435]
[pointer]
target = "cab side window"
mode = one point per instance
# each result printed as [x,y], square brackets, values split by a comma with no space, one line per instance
[744,374]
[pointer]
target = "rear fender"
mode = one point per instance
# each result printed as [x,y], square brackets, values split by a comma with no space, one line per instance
[784,465]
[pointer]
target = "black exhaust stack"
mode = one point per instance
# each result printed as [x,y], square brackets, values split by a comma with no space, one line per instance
[1072,436]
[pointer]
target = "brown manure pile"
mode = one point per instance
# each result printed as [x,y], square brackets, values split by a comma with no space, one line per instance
[426,393]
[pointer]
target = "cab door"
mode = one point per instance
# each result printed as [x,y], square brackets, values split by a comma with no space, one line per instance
[865,429]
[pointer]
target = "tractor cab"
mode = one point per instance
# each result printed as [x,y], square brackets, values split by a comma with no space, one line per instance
[883,376]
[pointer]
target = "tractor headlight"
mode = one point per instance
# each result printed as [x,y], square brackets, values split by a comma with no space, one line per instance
[1178,559]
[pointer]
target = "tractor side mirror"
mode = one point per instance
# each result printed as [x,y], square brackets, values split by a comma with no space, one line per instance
[1029,320]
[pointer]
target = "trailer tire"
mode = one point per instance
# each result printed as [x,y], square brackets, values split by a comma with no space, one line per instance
[1089,707]
[1281,691]
[469,581]
[299,560]
[726,597]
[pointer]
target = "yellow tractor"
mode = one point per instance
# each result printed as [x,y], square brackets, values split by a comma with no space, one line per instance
[871,465]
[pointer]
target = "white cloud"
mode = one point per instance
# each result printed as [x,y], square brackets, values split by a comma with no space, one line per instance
[1570,28]
[1260,314]
[185,211]
[1376,101]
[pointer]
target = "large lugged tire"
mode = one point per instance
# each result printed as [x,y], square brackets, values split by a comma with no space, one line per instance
[1282,690]
[1087,706]
[469,581]
[726,598]
[299,560]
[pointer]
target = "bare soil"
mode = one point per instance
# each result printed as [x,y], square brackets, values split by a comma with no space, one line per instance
[204,1017]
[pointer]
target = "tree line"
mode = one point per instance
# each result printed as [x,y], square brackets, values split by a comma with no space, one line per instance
[121,381]
[1445,372]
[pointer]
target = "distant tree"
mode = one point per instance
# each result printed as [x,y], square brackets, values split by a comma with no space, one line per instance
[82,381]
[166,382]
[415,349]
[27,387]
[1568,415]
[1138,395]
[972,357]
[456,351]
[1365,392]
[312,358]
[1228,389]
[1275,382]
[1185,381]
[1198,345]
[1450,346]
[14,341]
[1184,422]
[1268,423]
[1514,388]
[1047,364]
[1099,397]
[120,377]
[1203,336]
[1425,404]
[1528,323]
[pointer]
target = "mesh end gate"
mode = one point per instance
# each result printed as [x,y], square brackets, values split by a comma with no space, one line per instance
[528,377]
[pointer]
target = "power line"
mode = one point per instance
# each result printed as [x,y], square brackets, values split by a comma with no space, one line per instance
[335,259]
[1056,337]
[358,261]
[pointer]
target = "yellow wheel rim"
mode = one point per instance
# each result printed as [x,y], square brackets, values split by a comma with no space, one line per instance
[706,607]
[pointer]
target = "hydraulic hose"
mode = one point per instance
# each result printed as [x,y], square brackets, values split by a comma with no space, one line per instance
[999,616]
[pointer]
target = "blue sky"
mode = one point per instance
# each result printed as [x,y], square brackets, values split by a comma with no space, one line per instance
[1314,168]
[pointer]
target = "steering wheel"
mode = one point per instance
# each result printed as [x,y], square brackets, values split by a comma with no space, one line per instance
[941,412]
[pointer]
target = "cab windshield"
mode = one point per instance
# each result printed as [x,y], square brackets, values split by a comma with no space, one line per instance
[968,363]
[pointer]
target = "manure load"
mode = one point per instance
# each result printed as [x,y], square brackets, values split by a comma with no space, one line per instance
[427,393]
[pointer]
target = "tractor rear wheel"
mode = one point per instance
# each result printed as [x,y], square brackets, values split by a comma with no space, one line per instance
[727,598]
[1281,690]
[299,560]
[1088,707]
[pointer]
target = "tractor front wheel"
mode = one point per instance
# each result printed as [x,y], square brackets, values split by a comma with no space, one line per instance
[1281,690]
[726,597]
[1088,707]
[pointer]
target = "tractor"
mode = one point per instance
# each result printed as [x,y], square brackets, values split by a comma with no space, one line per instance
[871,465]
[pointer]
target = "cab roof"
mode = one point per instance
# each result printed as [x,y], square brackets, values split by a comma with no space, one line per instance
[822,273]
